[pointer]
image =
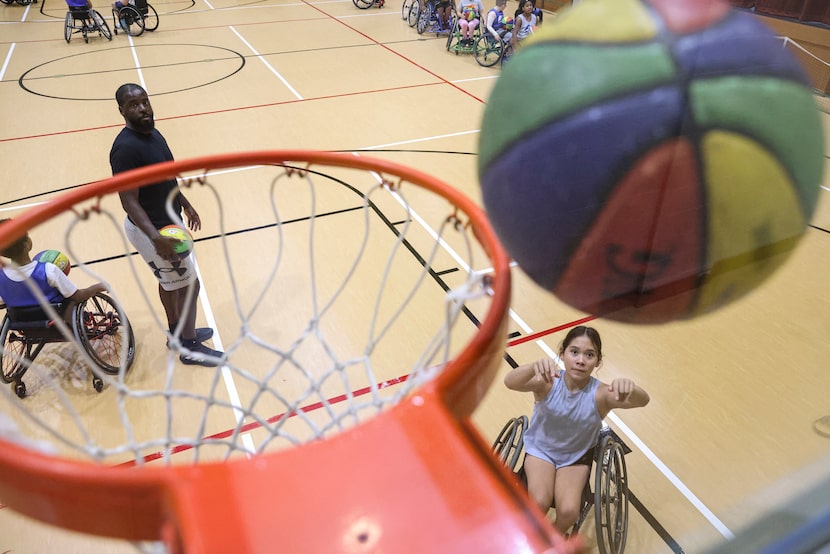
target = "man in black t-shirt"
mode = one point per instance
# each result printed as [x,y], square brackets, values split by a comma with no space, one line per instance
[140,144]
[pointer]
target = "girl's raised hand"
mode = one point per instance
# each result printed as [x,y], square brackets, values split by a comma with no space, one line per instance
[546,370]
[622,387]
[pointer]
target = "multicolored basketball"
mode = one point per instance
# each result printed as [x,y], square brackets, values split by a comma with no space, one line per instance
[185,245]
[650,160]
[54,257]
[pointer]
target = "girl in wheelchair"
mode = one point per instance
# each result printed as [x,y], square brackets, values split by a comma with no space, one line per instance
[469,14]
[56,287]
[568,410]
[528,16]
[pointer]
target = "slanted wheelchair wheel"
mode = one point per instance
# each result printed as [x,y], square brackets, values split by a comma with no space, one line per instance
[453,34]
[487,50]
[105,333]
[507,53]
[13,354]
[611,497]
[151,20]
[405,5]
[509,445]
[131,21]
[363,4]
[67,27]
[413,14]
[101,25]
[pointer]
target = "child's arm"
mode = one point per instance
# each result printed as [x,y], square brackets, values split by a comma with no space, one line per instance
[491,18]
[84,294]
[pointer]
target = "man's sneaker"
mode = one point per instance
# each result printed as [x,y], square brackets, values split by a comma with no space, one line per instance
[199,354]
[202,334]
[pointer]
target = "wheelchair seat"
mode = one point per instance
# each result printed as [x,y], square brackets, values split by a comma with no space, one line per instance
[32,316]
[79,10]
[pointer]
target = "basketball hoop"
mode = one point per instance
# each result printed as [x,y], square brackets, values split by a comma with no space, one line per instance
[361,265]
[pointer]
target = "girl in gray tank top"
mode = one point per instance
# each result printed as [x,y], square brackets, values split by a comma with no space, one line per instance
[567,417]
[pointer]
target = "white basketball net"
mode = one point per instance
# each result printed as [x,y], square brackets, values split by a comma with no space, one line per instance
[334,293]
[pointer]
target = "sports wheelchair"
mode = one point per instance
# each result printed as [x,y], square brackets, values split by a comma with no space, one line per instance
[426,20]
[84,20]
[97,325]
[609,498]
[135,18]
[454,43]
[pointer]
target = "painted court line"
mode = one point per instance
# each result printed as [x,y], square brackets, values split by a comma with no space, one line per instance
[6,62]
[269,66]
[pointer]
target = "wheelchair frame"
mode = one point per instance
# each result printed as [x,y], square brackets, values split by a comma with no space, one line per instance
[85,20]
[609,498]
[427,20]
[136,18]
[95,324]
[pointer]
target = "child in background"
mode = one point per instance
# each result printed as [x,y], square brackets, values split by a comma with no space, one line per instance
[526,21]
[496,24]
[443,10]
[56,287]
[469,13]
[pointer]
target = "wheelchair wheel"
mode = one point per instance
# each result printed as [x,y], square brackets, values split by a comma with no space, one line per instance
[105,333]
[67,27]
[7,1]
[151,19]
[405,6]
[101,25]
[363,4]
[454,35]
[130,20]
[487,50]
[611,497]
[13,354]
[509,445]
[507,53]
[413,14]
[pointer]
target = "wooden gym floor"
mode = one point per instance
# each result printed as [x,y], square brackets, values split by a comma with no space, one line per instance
[730,428]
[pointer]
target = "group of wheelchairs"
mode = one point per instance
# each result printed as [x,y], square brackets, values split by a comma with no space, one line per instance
[97,325]
[21,2]
[133,18]
[487,49]
[609,497]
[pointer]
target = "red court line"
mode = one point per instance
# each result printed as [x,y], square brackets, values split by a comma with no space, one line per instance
[334,400]
[226,110]
[256,425]
[546,332]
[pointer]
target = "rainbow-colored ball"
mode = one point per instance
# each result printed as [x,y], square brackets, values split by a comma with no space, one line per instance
[665,156]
